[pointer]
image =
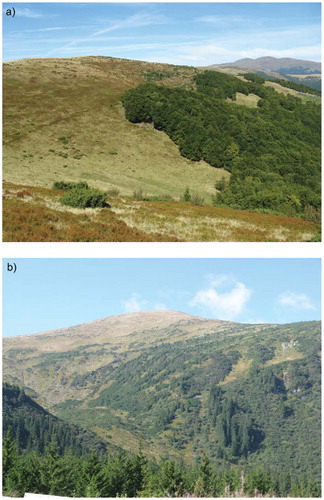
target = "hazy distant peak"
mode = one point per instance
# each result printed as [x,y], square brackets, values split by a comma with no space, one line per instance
[282,64]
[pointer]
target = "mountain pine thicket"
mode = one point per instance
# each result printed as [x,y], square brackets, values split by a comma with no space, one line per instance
[199,411]
[272,151]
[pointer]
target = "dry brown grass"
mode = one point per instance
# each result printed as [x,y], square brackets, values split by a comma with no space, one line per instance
[40,217]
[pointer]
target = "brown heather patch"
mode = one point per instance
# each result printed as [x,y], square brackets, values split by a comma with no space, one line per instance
[40,217]
[34,221]
[208,223]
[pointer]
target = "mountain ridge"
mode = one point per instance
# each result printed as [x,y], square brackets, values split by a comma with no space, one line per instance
[275,64]
[127,322]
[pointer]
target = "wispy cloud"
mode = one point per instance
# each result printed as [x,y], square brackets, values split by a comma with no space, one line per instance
[58,28]
[26,12]
[220,20]
[296,301]
[136,21]
[224,297]
[134,304]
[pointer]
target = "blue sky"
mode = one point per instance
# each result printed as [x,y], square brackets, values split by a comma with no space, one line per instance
[177,33]
[47,294]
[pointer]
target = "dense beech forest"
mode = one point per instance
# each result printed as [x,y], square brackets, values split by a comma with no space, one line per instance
[272,150]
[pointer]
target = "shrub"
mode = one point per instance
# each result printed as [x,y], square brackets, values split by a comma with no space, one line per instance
[197,199]
[70,185]
[221,184]
[312,214]
[23,193]
[84,198]
[139,195]
[186,195]
[113,192]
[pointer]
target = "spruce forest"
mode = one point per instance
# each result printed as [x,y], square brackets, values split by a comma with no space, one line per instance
[163,404]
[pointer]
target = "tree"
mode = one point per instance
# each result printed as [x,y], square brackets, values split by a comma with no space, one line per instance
[221,184]
[186,195]
[203,483]
[9,461]
[55,473]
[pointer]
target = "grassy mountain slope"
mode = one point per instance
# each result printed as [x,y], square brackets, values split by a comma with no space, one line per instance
[184,385]
[63,119]
[298,70]
[281,65]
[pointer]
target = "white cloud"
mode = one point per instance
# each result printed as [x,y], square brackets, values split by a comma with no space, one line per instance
[134,304]
[224,304]
[25,12]
[219,20]
[57,28]
[296,300]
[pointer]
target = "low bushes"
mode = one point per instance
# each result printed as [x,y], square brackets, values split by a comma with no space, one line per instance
[81,195]
[70,185]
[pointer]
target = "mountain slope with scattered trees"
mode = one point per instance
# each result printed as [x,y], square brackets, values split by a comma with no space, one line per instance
[179,387]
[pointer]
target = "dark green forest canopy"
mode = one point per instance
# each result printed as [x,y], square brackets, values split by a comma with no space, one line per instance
[177,389]
[182,396]
[273,151]
[132,475]
[33,427]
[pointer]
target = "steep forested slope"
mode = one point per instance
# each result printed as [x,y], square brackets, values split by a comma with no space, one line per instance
[244,395]
[273,151]
[183,395]
[33,427]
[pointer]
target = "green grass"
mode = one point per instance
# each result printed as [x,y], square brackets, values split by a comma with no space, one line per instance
[74,127]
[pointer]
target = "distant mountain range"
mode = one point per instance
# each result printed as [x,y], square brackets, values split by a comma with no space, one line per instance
[296,70]
[283,65]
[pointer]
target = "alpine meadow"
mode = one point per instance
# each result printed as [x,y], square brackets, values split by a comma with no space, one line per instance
[101,148]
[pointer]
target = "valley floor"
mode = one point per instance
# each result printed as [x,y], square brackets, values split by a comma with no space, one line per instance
[36,214]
